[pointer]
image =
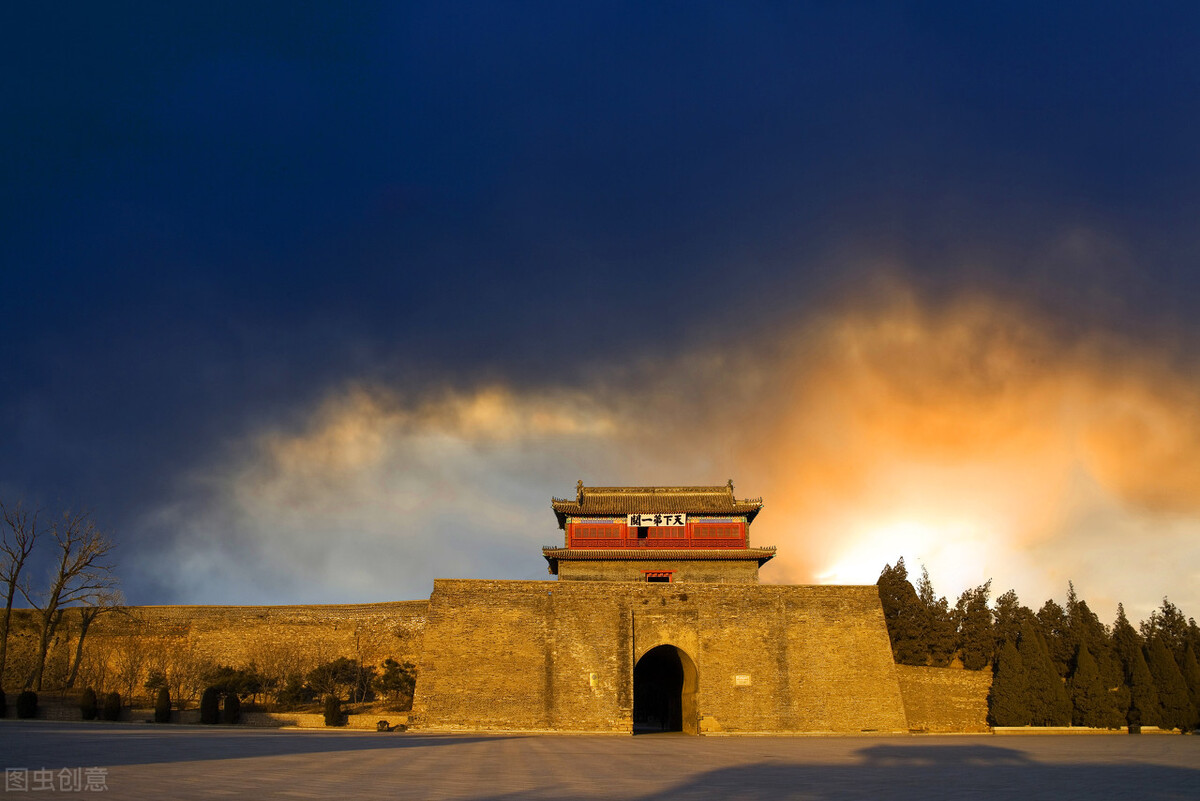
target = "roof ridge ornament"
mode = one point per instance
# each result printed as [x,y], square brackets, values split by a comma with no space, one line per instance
[579,491]
[730,485]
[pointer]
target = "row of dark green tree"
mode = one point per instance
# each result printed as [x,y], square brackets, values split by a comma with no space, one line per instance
[344,679]
[1057,666]
[213,711]
[339,679]
[104,707]
[27,704]
[91,706]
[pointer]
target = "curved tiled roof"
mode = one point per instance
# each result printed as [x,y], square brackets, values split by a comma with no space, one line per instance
[555,553]
[631,500]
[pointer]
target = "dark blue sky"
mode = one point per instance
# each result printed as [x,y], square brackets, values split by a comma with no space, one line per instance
[212,213]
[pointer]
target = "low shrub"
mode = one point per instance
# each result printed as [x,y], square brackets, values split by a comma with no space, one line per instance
[210,706]
[294,694]
[27,705]
[162,706]
[333,711]
[232,713]
[112,707]
[87,704]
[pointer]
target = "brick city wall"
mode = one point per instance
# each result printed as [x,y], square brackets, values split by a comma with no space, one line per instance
[238,635]
[945,699]
[745,572]
[560,655]
[280,638]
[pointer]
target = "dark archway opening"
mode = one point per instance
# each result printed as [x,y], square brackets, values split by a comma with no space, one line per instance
[664,691]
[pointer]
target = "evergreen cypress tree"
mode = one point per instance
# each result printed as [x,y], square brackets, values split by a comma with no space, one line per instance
[1055,631]
[975,639]
[232,711]
[904,615]
[1008,616]
[1143,697]
[1121,700]
[162,706]
[333,711]
[1008,700]
[1177,710]
[940,634]
[210,706]
[1089,701]
[1086,629]
[27,704]
[1144,708]
[110,709]
[1191,677]
[88,705]
[1125,638]
[1168,623]
[1048,701]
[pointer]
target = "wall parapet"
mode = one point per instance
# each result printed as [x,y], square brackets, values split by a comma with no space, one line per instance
[945,699]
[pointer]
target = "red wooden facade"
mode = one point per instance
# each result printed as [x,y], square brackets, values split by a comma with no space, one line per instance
[698,533]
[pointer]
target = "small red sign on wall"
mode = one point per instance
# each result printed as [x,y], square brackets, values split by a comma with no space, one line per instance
[664,576]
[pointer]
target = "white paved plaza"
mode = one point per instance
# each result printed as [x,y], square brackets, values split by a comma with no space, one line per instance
[189,762]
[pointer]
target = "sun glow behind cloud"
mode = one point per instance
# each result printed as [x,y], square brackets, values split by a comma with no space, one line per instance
[973,437]
[970,435]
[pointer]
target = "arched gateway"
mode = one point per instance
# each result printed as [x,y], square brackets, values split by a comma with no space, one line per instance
[664,692]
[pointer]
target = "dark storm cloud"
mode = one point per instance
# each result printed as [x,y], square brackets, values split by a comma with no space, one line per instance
[214,216]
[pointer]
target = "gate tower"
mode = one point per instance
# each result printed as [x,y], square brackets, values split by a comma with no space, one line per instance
[657,620]
[656,534]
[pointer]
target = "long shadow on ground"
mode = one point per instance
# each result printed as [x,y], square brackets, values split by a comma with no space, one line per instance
[899,769]
[922,773]
[34,745]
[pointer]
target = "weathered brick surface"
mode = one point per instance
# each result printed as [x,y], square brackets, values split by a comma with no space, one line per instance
[237,635]
[945,699]
[560,655]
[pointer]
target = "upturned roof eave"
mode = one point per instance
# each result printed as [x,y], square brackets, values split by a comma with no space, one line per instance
[619,501]
[553,554]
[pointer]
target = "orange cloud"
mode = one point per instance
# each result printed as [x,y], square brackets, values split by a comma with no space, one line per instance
[964,429]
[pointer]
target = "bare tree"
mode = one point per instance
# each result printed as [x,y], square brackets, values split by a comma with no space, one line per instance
[109,600]
[82,574]
[17,539]
[131,651]
[94,667]
[182,668]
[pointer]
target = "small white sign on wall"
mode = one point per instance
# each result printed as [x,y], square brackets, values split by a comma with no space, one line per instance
[655,519]
[741,680]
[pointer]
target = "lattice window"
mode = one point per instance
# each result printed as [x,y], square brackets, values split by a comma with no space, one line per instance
[597,532]
[718,531]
